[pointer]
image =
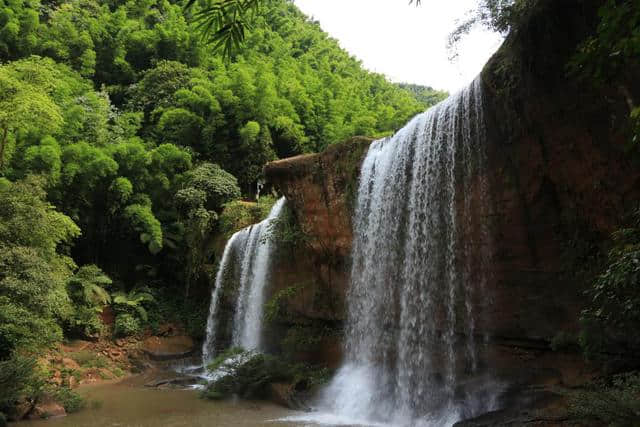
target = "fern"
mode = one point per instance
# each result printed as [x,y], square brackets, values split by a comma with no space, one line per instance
[134,301]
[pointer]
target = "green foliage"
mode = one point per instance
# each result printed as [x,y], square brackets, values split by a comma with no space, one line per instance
[25,102]
[617,42]
[126,325]
[84,322]
[87,286]
[286,231]
[614,306]
[69,399]
[223,23]
[217,185]
[426,95]
[613,401]
[609,56]
[88,359]
[18,379]
[239,214]
[247,374]
[274,309]
[150,229]
[33,273]
[133,302]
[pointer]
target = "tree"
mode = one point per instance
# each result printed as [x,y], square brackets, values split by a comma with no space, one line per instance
[33,272]
[25,103]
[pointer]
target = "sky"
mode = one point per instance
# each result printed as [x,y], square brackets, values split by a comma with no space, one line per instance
[406,43]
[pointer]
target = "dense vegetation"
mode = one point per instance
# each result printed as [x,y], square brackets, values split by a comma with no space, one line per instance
[123,136]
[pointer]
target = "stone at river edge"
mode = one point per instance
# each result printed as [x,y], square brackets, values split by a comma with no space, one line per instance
[168,348]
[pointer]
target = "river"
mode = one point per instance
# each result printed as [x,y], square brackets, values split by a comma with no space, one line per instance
[118,405]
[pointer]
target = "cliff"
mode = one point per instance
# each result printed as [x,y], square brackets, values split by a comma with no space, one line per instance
[559,182]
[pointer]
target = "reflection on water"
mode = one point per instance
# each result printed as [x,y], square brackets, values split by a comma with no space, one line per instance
[121,405]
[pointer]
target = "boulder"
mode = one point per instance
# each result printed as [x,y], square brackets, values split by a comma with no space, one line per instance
[20,410]
[47,408]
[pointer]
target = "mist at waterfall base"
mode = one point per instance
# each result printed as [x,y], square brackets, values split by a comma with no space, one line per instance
[251,249]
[417,279]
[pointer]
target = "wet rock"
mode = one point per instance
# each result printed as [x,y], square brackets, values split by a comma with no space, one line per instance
[168,348]
[47,408]
[287,395]
[20,410]
[172,382]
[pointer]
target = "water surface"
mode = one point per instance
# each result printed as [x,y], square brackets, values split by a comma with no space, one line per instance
[122,405]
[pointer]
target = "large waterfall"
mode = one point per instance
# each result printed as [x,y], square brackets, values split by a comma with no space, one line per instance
[252,250]
[417,275]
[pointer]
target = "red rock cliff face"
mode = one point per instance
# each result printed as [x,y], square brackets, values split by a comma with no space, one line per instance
[559,183]
[321,190]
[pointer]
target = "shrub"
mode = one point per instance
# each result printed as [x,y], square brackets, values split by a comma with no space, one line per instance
[614,307]
[84,322]
[89,359]
[126,325]
[247,374]
[240,214]
[275,308]
[18,379]
[69,399]
[3,420]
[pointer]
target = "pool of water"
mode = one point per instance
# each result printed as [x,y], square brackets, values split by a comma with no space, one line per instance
[118,405]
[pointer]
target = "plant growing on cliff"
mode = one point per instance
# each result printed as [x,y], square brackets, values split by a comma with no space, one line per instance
[274,309]
[614,308]
[285,231]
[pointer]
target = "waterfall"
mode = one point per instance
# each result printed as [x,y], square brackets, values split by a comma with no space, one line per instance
[252,249]
[419,252]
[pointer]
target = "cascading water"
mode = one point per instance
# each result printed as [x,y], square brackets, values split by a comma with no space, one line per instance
[418,271]
[253,251]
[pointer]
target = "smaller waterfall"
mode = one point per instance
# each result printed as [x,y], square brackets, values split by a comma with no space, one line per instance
[253,251]
[254,275]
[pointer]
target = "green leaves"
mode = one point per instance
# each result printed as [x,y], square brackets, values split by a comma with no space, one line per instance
[615,296]
[88,286]
[33,273]
[223,23]
[145,222]
[134,301]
